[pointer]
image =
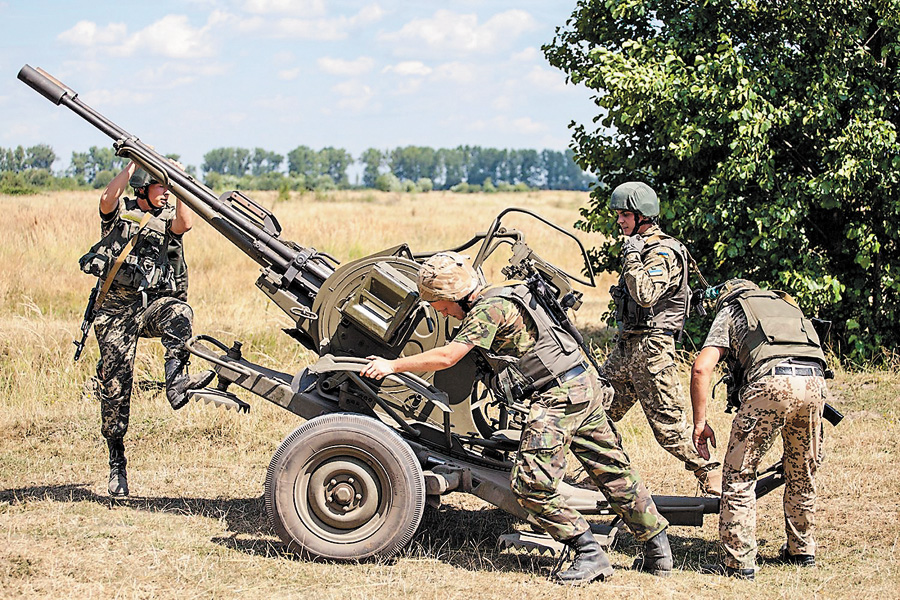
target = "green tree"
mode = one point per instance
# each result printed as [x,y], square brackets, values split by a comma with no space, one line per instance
[263,161]
[40,156]
[769,130]
[303,160]
[334,162]
[227,161]
[373,161]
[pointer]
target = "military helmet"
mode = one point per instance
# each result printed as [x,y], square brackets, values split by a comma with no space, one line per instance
[446,276]
[729,290]
[141,178]
[636,197]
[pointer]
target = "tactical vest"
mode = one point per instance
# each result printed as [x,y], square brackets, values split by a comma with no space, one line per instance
[776,329]
[156,262]
[554,351]
[671,312]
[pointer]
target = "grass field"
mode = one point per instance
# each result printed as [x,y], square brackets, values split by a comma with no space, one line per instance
[195,526]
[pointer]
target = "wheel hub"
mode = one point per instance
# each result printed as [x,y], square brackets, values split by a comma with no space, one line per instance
[343,492]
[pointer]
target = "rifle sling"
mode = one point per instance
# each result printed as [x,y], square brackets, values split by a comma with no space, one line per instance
[111,276]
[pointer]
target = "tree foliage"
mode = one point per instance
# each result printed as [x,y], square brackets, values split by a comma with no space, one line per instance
[769,130]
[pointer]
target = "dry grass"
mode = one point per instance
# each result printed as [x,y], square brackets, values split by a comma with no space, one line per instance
[196,527]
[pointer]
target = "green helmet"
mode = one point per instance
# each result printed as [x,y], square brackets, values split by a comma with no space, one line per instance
[636,197]
[446,276]
[141,178]
[729,290]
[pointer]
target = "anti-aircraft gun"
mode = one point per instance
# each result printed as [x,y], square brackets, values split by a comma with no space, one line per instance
[352,481]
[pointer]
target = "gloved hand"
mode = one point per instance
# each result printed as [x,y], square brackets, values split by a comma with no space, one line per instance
[633,244]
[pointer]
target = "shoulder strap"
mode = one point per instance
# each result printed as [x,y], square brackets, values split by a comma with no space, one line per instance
[110,277]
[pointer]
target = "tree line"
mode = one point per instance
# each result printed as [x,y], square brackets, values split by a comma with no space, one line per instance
[408,168]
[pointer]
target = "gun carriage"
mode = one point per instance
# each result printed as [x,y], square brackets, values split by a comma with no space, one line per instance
[351,482]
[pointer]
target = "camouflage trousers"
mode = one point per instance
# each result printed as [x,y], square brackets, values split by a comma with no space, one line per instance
[776,403]
[567,417]
[641,368]
[122,320]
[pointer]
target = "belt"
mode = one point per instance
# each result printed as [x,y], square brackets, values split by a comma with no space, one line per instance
[561,379]
[798,371]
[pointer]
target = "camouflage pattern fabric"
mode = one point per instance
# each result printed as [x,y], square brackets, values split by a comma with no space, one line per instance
[567,416]
[571,416]
[776,403]
[770,404]
[121,321]
[497,324]
[650,278]
[641,368]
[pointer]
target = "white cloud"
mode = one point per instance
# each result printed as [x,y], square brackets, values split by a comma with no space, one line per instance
[323,29]
[311,8]
[546,80]
[346,68]
[456,72]
[87,33]
[172,36]
[289,74]
[118,97]
[504,124]
[355,95]
[448,31]
[527,55]
[409,68]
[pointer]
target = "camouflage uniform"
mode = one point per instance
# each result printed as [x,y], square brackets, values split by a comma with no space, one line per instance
[770,404]
[568,415]
[641,366]
[127,315]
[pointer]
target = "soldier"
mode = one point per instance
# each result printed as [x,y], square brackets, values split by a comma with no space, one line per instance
[526,348]
[652,301]
[776,361]
[142,248]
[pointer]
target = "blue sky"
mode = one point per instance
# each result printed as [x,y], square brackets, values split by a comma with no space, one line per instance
[192,75]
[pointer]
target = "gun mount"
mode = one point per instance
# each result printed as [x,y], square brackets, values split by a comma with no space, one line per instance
[351,482]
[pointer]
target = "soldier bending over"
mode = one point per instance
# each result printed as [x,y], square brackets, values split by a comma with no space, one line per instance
[776,360]
[521,341]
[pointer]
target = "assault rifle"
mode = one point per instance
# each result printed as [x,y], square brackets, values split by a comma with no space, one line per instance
[90,313]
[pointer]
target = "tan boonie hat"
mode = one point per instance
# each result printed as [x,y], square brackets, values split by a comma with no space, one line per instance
[446,276]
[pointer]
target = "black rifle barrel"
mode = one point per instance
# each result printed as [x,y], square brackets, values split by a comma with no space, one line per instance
[253,240]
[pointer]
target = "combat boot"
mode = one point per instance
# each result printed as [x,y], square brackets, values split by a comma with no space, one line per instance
[118,478]
[178,383]
[799,560]
[657,558]
[726,571]
[710,479]
[590,561]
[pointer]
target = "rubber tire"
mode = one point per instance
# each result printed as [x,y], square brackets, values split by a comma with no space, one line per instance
[344,487]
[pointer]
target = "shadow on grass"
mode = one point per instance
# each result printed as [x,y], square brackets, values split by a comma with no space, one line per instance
[464,538]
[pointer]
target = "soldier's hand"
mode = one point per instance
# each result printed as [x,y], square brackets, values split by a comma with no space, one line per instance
[701,434]
[377,368]
[633,244]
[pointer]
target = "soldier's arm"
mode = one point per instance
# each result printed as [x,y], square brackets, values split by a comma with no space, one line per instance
[436,359]
[109,199]
[701,374]
[648,278]
[184,216]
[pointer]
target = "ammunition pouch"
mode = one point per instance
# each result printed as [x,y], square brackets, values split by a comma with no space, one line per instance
[95,264]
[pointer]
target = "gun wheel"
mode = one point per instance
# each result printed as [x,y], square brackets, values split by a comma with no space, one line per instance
[345,487]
